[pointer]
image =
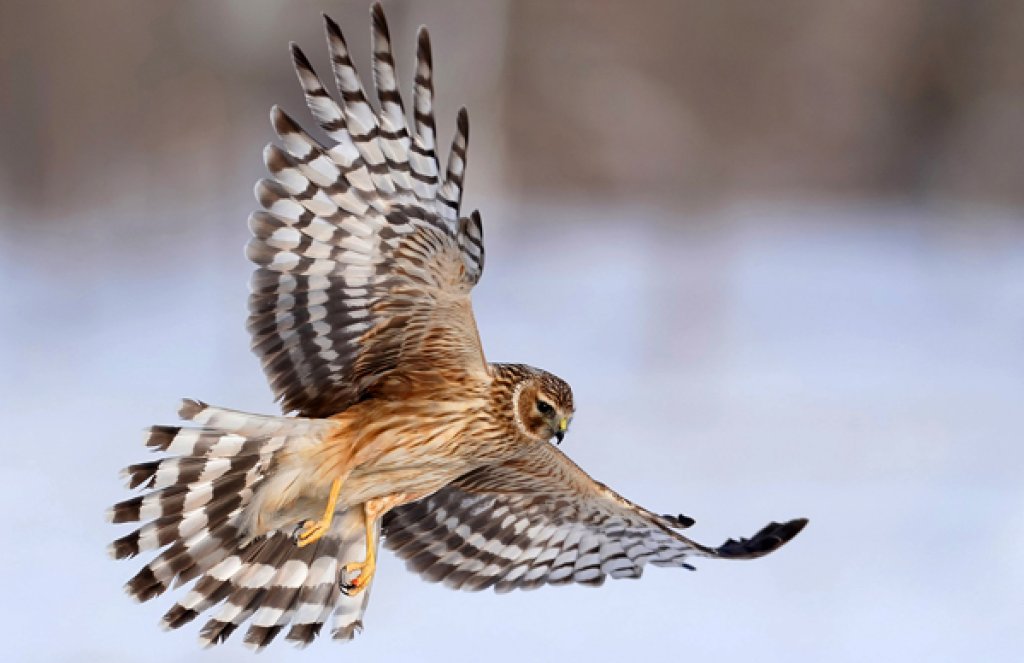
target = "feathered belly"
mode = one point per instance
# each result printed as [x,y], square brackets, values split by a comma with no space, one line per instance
[415,480]
[377,454]
[414,448]
[298,489]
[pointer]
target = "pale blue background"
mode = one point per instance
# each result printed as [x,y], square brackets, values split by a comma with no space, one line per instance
[855,359]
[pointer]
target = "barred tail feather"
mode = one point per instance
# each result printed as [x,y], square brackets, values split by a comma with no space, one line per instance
[318,593]
[195,509]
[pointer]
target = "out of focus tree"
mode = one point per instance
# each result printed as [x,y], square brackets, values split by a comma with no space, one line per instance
[658,99]
[740,98]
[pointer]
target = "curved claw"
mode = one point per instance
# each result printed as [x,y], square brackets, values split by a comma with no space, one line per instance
[360,582]
[309,531]
[298,530]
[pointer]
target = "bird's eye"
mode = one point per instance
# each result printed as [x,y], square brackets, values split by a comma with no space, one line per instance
[545,408]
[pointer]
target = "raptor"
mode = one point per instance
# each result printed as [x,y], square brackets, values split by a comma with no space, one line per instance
[396,427]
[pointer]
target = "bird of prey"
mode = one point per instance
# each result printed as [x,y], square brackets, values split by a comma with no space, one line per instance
[396,427]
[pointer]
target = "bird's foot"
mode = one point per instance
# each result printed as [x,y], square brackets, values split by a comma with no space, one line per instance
[310,531]
[363,571]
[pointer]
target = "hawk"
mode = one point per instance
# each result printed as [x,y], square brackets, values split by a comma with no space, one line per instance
[400,429]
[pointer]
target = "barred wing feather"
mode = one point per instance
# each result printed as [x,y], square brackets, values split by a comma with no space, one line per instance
[539,519]
[364,263]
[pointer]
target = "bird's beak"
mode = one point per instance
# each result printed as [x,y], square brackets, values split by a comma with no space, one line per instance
[563,426]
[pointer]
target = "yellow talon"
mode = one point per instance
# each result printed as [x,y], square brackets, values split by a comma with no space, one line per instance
[312,530]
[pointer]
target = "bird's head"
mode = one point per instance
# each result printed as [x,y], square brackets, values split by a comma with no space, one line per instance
[543,406]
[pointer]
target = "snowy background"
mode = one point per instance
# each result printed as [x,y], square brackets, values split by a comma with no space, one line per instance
[849,349]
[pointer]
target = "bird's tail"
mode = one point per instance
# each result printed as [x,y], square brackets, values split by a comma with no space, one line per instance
[197,510]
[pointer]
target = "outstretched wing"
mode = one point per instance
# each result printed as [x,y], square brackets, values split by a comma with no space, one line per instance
[364,264]
[540,519]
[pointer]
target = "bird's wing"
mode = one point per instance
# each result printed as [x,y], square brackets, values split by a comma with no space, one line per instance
[539,519]
[364,263]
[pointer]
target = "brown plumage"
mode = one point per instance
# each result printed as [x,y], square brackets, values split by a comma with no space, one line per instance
[360,313]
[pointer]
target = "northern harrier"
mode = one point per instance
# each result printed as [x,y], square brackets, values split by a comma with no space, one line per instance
[361,316]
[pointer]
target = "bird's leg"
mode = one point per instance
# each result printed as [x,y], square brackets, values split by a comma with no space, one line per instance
[311,530]
[372,511]
[368,566]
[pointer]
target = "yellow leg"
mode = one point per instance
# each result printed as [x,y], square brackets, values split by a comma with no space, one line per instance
[312,530]
[368,566]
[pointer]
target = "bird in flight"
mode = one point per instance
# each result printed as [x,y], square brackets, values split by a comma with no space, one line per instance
[398,428]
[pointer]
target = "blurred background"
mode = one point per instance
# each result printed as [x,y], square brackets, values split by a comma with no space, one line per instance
[776,248]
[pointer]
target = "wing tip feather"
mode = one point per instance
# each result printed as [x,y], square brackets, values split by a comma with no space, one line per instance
[281,121]
[298,57]
[380,21]
[679,521]
[423,52]
[768,539]
[334,34]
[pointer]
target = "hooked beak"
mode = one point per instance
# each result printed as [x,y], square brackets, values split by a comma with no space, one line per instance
[563,426]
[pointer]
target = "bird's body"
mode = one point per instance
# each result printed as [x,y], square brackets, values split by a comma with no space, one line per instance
[360,313]
[406,446]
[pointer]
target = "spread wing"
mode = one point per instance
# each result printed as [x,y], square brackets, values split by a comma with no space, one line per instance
[364,264]
[540,519]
